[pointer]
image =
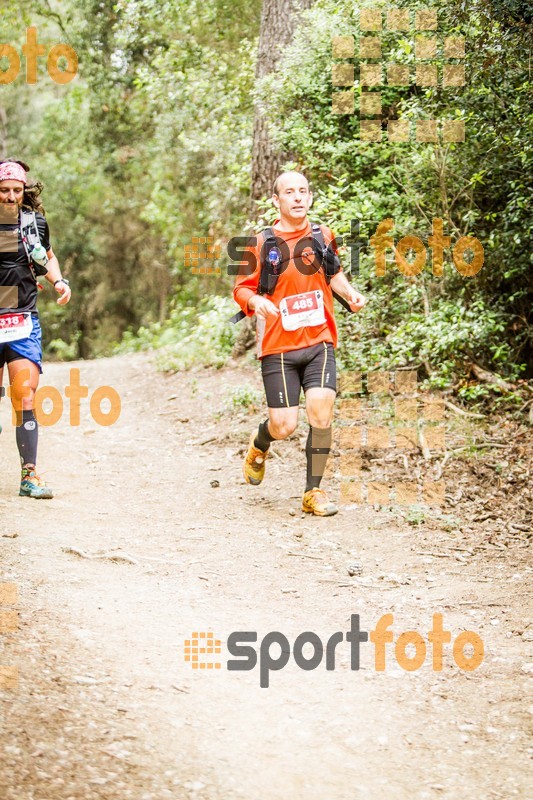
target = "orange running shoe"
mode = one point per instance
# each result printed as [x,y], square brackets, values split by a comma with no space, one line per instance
[316,501]
[253,467]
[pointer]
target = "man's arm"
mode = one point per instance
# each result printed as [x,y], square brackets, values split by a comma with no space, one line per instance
[341,285]
[54,275]
[245,289]
[339,282]
[262,306]
[245,285]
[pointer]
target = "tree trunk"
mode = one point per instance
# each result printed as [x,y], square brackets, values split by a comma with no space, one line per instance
[3,133]
[278,23]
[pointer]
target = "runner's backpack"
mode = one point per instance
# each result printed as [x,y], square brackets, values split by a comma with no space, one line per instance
[272,261]
[35,252]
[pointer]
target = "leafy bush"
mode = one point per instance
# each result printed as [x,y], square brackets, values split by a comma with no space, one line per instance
[400,327]
[190,337]
[247,397]
[478,187]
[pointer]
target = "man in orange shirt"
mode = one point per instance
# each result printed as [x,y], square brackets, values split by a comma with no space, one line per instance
[296,335]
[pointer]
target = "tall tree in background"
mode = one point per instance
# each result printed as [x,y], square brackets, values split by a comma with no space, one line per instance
[3,132]
[279,19]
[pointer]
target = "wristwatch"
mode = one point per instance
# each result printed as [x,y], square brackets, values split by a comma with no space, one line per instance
[62,280]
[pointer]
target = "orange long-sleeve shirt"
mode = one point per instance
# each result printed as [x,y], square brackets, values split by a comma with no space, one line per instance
[271,336]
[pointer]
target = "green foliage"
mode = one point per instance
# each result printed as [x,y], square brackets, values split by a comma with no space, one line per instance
[479,187]
[151,145]
[189,337]
[246,397]
[61,350]
[443,336]
[416,516]
[147,148]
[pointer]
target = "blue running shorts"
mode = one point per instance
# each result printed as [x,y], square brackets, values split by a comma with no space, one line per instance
[30,347]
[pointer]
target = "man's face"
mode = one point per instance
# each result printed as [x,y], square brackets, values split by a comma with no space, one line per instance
[293,198]
[11,192]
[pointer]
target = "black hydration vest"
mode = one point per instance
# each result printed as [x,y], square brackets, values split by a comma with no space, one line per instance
[272,264]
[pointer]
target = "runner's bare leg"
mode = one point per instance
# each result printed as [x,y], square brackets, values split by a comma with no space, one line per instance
[282,421]
[319,405]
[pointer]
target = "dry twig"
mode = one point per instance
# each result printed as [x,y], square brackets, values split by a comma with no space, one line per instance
[117,558]
[461,411]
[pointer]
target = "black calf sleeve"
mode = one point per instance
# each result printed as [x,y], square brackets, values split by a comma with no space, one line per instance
[27,434]
[317,451]
[263,438]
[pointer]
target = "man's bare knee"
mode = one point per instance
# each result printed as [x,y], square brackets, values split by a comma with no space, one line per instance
[320,420]
[28,402]
[20,393]
[281,429]
[320,417]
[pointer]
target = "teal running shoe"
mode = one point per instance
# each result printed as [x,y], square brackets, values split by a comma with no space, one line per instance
[32,486]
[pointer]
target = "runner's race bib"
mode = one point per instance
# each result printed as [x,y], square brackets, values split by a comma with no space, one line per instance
[302,310]
[14,327]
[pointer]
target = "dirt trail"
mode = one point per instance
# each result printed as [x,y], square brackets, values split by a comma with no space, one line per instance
[108,709]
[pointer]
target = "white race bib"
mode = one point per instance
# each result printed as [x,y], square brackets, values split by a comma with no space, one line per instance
[302,310]
[14,327]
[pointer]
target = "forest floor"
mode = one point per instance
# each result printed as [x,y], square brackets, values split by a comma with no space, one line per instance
[153,535]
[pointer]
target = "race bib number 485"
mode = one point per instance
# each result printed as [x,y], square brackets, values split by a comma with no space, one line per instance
[302,310]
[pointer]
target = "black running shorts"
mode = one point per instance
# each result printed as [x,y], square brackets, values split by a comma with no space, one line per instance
[286,374]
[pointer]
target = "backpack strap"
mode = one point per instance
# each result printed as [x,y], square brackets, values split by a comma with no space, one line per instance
[270,263]
[327,257]
[270,266]
[237,317]
[31,240]
[269,272]
[29,232]
[329,260]
[318,235]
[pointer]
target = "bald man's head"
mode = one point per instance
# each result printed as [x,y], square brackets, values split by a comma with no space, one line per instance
[292,197]
[292,177]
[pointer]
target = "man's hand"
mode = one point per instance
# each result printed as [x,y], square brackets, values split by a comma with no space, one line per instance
[64,290]
[340,284]
[262,306]
[356,300]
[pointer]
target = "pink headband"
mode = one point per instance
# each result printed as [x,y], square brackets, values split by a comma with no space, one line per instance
[10,171]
